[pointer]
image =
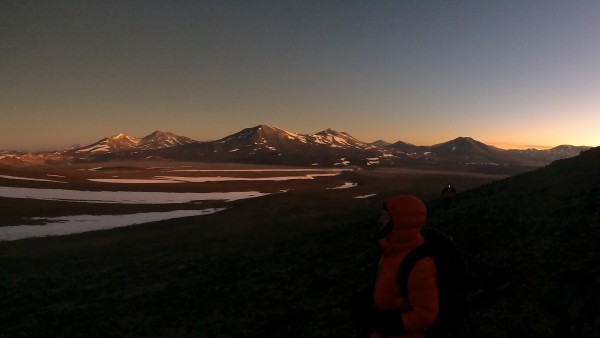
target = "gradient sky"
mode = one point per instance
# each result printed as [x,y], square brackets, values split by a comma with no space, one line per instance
[510,73]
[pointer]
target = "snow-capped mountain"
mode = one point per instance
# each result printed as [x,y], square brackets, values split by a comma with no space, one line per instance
[264,136]
[123,142]
[159,139]
[259,138]
[339,140]
[110,144]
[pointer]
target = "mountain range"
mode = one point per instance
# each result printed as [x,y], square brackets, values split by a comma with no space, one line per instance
[265,144]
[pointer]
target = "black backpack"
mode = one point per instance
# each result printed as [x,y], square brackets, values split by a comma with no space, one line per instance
[451,276]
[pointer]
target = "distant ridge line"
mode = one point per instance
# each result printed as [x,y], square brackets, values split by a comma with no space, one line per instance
[265,144]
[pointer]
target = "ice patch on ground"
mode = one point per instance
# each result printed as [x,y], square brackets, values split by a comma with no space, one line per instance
[259,170]
[224,179]
[343,162]
[29,179]
[131,181]
[65,225]
[345,186]
[125,197]
[202,179]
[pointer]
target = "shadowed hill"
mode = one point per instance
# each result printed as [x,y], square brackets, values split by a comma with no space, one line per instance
[532,242]
[406,147]
[466,148]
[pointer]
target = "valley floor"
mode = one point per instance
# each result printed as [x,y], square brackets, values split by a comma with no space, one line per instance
[286,262]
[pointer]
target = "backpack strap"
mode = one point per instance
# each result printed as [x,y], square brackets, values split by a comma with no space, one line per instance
[406,267]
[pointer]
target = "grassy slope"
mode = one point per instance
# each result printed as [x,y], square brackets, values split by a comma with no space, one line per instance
[288,266]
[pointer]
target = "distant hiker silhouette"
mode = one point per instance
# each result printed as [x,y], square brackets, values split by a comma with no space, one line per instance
[448,194]
[412,314]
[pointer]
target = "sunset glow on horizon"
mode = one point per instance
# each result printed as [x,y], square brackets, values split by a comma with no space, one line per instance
[510,74]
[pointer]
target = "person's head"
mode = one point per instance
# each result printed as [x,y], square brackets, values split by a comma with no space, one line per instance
[402,219]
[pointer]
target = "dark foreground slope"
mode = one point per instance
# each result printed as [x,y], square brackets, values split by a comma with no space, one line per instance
[533,245]
[282,267]
[288,266]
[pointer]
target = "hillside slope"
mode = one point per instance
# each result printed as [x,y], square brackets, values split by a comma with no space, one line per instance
[532,242]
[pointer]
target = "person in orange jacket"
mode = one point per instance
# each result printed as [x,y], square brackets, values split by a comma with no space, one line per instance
[396,316]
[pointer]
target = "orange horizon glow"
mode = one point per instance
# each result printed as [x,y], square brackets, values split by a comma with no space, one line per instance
[506,146]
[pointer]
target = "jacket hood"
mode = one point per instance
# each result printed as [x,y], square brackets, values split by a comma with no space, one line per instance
[408,215]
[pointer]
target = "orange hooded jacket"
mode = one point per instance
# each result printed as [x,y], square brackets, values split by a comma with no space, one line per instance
[418,312]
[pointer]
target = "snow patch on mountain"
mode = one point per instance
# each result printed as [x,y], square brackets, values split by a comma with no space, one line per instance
[124,142]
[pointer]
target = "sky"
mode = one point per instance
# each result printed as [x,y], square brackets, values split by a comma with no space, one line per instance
[509,73]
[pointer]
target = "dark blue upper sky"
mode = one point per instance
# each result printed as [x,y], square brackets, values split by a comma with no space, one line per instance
[504,72]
